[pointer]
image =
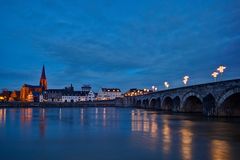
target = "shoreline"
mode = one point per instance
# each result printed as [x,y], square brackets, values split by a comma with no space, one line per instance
[109,103]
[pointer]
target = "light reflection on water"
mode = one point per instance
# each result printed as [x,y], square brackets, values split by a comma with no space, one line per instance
[2,117]
[186,140]
[166,136]
[114,133]
[26,115]
[220,150]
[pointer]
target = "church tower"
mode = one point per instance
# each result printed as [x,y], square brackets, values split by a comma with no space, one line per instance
[43,79]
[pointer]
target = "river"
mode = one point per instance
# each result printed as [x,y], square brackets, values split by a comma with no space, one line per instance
[115,133]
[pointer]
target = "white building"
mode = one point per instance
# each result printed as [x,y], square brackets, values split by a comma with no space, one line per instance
[68,95]
[74,96]
[41,99]
[108,93]
[70,98]
[90,96]
[78,96]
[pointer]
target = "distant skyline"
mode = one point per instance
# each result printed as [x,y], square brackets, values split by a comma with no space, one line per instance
[118,43]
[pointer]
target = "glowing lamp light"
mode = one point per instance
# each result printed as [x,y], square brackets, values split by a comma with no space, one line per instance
[166,84]
[215,75]
[154,88]
[221,69]
[185,80]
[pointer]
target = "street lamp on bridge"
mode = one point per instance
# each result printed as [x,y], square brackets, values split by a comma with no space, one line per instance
[185,80]
[215,75]
[154,88]
[166,84]
[221,69]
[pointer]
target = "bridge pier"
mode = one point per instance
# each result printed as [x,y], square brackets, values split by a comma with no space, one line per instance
[176,104]
[209,105]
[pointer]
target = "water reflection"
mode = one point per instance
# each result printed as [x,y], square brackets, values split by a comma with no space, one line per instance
[136,121]
[2,117]
[145,123]
[42,122]
[26,115]
[104,117]
[96,111]
[82,116]
[147,134]
[154,126]
[166,136]
[60,113]
[186,140]
[220,150]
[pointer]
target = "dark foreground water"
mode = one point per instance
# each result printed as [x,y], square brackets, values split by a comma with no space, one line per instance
[114,133]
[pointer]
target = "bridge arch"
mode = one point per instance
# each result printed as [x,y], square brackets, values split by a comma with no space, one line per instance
[167,103]
[229,103]
[228,94]
[192,102]
[134,101]
[185,96]
[155,103]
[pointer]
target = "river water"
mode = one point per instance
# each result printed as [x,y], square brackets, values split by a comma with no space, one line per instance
[115,133]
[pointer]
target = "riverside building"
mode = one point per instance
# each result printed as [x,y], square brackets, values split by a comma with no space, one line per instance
[109,94]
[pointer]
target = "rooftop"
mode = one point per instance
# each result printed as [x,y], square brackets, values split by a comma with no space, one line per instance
[111,90]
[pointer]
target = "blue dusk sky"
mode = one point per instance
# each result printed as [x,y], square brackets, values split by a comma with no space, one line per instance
[117,43]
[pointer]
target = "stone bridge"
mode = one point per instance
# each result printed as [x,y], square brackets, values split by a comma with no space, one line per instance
[212,99]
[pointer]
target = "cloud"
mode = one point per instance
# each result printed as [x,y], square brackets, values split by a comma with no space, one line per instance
[121,43]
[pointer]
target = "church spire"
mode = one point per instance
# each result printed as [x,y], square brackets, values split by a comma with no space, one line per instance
[43,79]
[43,76]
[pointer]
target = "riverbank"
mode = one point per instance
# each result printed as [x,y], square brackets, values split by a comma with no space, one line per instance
[108,103]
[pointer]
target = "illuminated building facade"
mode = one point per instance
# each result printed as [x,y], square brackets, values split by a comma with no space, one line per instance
[109,93]
[15,96]
[136,92]
[68,95]
[4,96]
[30,93]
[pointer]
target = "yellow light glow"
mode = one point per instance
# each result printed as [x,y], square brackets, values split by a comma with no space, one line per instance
[221,69]
[215,74]
[220,149]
